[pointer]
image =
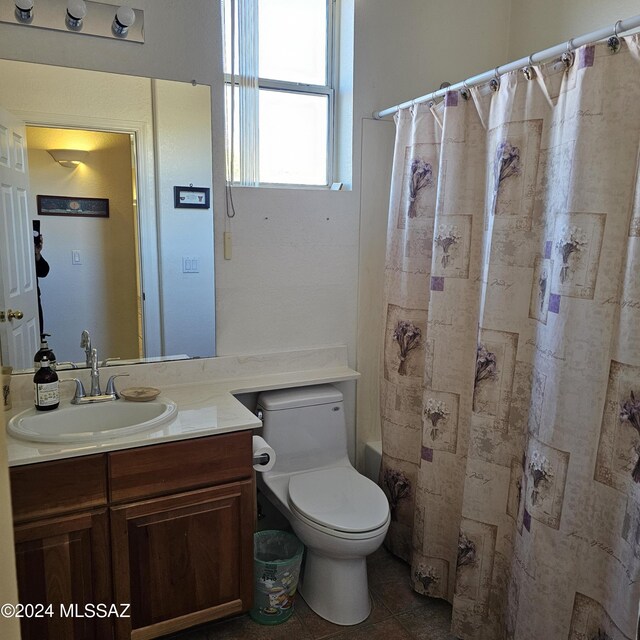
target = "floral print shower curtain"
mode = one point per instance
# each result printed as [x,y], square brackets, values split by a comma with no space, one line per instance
[510,385]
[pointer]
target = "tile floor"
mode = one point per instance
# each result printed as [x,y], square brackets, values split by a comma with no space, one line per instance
[398,613]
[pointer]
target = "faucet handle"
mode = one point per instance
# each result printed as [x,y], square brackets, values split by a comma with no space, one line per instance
[111,387]
[80,392]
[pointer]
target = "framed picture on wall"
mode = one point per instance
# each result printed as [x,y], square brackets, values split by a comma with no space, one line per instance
[76,207]
[191,197]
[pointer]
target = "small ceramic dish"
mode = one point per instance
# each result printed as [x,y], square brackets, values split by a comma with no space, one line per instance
[140,394]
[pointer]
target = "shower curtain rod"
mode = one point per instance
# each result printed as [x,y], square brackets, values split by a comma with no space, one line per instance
[619,27]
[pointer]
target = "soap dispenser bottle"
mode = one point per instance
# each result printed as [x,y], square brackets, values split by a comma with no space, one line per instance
[45,386]
[44,351]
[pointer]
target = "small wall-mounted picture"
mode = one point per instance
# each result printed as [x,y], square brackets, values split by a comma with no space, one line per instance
[76,207]
[191,197]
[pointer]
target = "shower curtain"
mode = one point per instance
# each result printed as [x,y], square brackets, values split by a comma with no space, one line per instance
[510,383]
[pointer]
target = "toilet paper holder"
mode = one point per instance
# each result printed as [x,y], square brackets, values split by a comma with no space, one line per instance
[261,459]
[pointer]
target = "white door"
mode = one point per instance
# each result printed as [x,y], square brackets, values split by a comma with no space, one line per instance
[19,328]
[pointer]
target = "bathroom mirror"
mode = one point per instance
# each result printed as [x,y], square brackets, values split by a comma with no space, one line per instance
[137,271]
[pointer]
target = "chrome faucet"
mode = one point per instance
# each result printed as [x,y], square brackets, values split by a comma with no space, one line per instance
[95,395]
[85,343]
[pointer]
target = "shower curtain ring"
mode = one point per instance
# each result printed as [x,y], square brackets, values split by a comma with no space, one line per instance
[568,56]
[529,71]
[465,92]
[494,83]
[614,41]
[616,26]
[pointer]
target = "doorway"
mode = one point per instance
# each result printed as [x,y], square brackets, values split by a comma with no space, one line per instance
[95,274]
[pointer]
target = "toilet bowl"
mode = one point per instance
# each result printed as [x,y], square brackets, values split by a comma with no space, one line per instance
[340,516]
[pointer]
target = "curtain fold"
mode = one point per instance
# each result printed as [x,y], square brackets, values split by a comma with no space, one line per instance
[510,387]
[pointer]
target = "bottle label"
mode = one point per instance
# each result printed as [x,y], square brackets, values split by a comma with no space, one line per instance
[47,394]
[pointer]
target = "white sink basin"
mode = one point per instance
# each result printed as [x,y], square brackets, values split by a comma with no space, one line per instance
[91,422]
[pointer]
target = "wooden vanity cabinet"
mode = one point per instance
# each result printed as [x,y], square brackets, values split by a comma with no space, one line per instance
[181,560]
[169,530]
[182,548]
[62,545]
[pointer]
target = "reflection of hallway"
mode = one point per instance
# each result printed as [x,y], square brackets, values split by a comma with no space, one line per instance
[93,282]
[397,613]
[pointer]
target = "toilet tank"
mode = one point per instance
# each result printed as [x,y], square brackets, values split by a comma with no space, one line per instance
[305,426]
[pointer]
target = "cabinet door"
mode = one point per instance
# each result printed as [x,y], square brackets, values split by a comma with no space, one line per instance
[65,561]
[183,560]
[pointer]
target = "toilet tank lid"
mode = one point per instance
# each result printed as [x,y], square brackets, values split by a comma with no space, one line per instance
[299,397]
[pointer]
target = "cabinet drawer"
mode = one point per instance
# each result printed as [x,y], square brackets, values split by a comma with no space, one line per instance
[63,486]
[177,466]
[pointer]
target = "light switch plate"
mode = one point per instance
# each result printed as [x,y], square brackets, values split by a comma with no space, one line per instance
[190,264]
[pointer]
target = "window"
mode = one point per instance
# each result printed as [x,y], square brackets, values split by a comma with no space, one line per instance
[286,129]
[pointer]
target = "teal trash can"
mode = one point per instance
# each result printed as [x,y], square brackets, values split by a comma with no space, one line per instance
[277,558]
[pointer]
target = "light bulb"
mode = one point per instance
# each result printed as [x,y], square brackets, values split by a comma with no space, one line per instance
[125,17]
[76,11]
[24,10]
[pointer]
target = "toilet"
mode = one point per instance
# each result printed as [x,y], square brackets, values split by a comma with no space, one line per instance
[340,515]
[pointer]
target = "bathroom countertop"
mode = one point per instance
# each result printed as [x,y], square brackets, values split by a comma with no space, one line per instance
[204,408]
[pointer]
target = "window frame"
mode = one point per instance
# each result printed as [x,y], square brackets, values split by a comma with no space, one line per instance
[302,88]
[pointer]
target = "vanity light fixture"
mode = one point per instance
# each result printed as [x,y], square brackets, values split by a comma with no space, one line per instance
[76,11]
[69,158]
[24,10]
[84,17]
[124,18]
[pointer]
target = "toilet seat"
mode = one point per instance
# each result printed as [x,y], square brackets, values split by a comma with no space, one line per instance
[339,499]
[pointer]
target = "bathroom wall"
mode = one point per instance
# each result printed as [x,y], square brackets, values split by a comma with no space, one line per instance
[182,143]
[545,23]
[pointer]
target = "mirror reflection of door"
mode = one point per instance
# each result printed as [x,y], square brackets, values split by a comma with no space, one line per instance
[18,299]
[94,279]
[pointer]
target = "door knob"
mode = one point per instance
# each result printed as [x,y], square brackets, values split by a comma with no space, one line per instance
[18,315]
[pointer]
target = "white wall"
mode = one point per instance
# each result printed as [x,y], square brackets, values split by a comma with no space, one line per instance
[183,150]
[545,23]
